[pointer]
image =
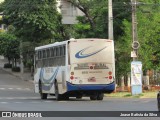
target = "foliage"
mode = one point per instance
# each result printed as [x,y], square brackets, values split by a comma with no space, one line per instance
[9,46]
[148,35]
[34,20]
[94,22]
[7,65]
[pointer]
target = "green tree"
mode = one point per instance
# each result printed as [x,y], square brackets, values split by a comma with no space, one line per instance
[148,37]
[149,34]
[94,21]
[9,46]
[34,20]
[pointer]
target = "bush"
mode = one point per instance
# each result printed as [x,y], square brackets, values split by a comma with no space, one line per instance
[29,64]
[7,65]
[16,69]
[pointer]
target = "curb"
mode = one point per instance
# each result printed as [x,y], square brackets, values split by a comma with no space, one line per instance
[11,73]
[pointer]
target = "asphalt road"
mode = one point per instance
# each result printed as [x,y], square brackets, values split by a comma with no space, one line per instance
[18,95]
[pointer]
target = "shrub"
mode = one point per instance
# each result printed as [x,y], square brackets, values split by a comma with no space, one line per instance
[7,65]
[29,64]
[16,69]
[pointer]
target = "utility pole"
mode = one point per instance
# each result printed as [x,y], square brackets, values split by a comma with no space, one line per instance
[135,44]
[136,66]
[110,29]
[110,20]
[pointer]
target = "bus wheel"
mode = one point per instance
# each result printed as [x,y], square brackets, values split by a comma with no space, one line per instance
[65,97]
[57,95]
[93,97]
[43,95]
[100,96]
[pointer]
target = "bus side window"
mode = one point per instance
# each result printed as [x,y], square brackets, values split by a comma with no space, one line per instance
[44,53]
[64,50]
[61,51]
[48,53]
[38,61]
[51,59]
[44,56]
[52,52]
[64,53]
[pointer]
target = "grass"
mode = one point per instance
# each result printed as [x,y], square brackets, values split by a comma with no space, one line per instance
[150,94]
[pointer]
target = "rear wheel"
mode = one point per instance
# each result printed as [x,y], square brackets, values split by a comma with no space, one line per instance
[100,96]
[65,97]
[93,97]
[43,95]
[57,95]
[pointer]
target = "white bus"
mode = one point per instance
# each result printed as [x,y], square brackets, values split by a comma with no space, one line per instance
[75,68]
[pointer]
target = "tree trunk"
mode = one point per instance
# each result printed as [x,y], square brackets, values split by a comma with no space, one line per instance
[15,62]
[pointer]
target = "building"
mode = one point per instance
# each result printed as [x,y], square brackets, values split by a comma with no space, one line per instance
[68,11]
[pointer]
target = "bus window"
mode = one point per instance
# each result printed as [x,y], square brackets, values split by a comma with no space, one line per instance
[57,51]
[44,53]
[64,50]
[61,51]
[48,53]
[52,52]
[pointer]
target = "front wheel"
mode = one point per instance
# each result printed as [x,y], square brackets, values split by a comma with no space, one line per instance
[93,97]
[43,95]
[100,96]
[57,95]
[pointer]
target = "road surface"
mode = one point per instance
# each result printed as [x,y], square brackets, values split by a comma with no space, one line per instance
[18,95]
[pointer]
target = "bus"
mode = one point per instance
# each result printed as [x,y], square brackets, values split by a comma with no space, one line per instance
[75,68]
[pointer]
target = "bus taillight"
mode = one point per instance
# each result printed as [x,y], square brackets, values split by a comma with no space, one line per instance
[110,77]
[72,73]
[71,77]
[110,73]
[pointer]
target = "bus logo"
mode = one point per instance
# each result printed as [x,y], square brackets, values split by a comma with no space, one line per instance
[81,54]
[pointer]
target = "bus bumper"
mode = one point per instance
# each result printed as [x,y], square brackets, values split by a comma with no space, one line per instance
[104,88]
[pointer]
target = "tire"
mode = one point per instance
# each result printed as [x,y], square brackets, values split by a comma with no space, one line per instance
[158,102]
[42,95]
[65,97]
[57,95]
[93,97]
[100,96]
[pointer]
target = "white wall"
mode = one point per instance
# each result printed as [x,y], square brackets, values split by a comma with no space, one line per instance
[68,11]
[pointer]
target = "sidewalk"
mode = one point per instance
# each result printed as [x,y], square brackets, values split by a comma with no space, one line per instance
[26,76]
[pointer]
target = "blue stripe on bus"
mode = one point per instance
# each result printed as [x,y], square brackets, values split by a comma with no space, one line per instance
[80,54]
[108,87]
[49,81]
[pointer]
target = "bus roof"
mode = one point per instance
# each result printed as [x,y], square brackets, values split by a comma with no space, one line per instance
[65,42]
